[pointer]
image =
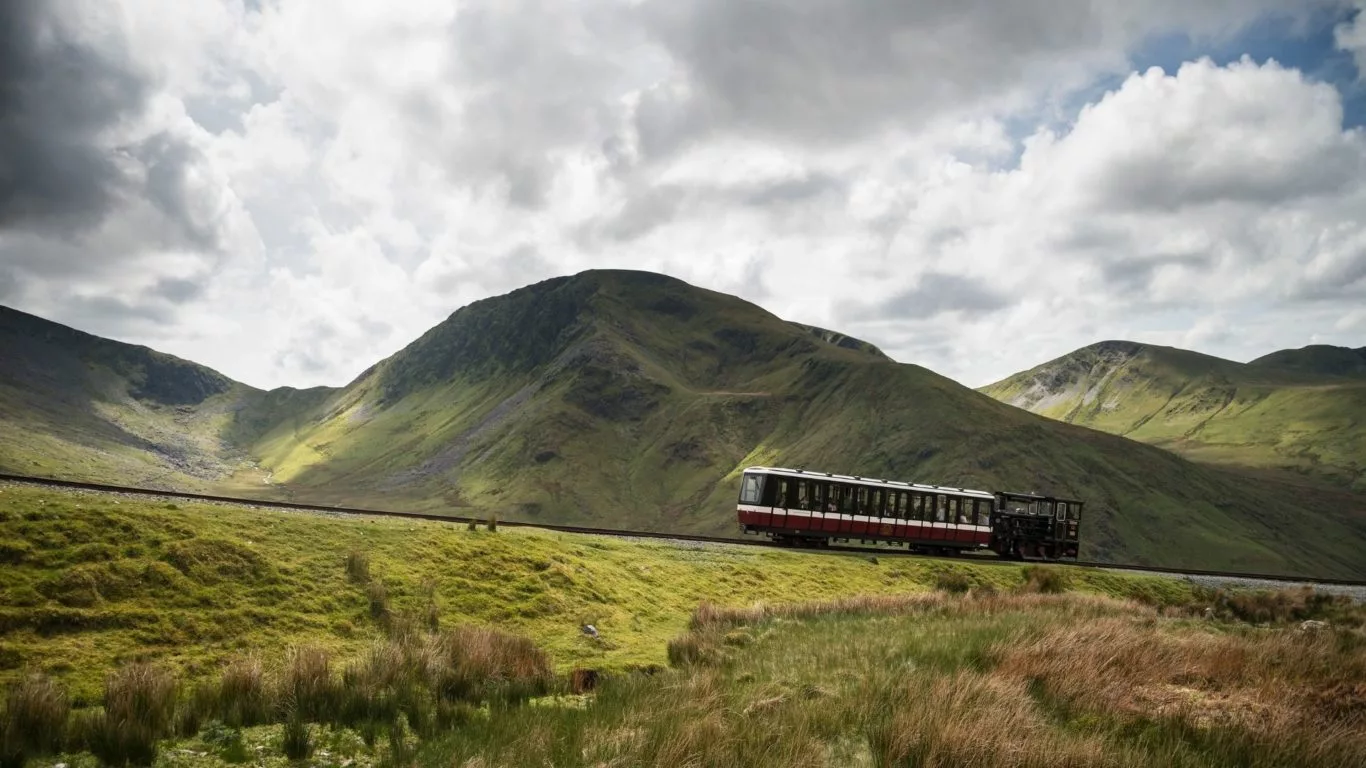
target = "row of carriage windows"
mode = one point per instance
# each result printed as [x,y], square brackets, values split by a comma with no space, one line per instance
[848,499]
[831,497]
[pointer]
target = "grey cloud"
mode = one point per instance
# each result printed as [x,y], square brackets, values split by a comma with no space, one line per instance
[831,71]
[818,70]
[56,96]
[177,290]
[168,160]
[936,293]
[650,207]
[1171,182]
[546,84]
[113,316]
[779,192]
[1136,273]
[9,284]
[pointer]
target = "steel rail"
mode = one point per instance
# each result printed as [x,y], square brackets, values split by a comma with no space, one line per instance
[624,533]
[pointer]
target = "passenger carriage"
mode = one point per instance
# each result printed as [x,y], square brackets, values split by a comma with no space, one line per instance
[804,508]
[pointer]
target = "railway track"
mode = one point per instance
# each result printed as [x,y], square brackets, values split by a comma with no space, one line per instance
[878,551]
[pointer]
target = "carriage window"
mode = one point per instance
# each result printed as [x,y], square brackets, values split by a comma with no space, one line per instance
[783,487]
[751,489]
[899,505]
[983,512]
[803,495]
[877,502]
[962,511]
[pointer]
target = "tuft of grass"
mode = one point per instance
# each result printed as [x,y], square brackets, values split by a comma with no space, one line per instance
[358,567]
[244,697]
[953,582]
[34,720]
[139,711]
[1048,579]
[378,595]
[308,688]
[296,739]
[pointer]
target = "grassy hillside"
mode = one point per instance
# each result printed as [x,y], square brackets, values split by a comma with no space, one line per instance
[631,399]
[207,635]
[1293,411]
[1317,358]
[91,579]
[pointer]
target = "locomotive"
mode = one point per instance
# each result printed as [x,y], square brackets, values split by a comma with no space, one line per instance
[798,507]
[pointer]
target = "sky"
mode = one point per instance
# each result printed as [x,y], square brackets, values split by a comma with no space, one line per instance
[290,190]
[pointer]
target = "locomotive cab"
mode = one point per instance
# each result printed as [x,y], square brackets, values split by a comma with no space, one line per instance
[1028,526]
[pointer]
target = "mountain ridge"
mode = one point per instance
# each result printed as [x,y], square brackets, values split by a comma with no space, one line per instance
[1281,412]
[621,398]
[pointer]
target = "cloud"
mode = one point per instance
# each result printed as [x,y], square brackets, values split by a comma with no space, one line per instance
[972,187]
[59,95]
[68,156]
[1351,36]
[934,294]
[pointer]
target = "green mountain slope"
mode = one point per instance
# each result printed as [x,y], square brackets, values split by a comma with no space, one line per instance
[1281,412]
[1317,358]
[632,399]
[77,405]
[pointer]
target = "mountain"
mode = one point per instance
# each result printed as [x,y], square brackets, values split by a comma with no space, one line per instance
[1292,411]
[631,399]
[1317,358]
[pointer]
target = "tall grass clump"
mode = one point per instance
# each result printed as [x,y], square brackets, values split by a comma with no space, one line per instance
[296,738]
[954,582]
[1048,579]
[139,711]
[244,697]
[307,687]
[378,595]
[358,567]
[34,723]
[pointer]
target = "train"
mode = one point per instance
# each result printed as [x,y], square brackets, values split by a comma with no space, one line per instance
[802,508]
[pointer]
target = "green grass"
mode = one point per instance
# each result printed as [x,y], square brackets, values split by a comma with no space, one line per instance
[234,634]
[92,580]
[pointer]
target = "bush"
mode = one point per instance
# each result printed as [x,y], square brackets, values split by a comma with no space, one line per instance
[358,567]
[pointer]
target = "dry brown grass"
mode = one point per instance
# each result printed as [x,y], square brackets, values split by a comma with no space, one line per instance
[968,719]
[1283,689]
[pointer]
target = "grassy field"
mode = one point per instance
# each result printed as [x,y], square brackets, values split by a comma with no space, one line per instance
[226,634]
